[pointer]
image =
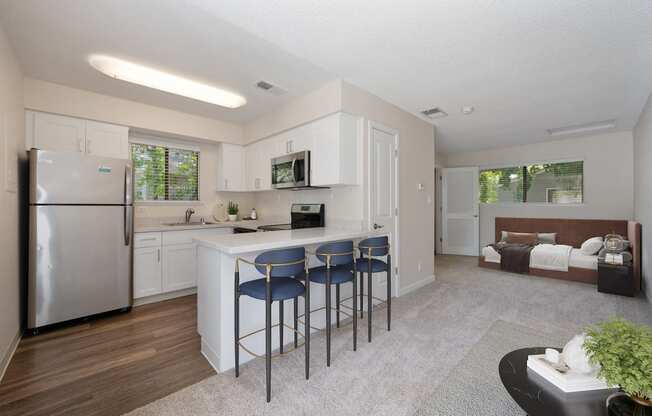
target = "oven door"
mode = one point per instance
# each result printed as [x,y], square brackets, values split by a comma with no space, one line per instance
[291,171]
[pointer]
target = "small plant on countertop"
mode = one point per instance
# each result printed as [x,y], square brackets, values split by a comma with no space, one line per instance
[232,208]
[624,351]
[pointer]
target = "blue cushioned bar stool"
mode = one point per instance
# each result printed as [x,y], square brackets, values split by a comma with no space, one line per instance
[338,268]
[370,249]
[279,268]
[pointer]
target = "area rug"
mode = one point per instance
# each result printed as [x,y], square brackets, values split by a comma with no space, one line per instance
[474,386]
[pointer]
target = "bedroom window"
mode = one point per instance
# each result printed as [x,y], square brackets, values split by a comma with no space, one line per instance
[551,183]
[165,173]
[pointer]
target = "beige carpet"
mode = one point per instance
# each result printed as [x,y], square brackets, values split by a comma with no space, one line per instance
[403,372]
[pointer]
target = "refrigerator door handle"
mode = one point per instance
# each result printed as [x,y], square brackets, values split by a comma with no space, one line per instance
[128,216]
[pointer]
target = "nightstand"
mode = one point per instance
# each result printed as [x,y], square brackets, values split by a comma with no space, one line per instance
[617,279]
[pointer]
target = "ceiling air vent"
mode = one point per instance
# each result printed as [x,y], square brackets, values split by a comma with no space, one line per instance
[434,113]
[270,88]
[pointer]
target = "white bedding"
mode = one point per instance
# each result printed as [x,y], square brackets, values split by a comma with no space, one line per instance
[551,257]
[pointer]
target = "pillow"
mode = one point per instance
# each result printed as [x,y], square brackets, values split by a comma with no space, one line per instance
[547,238]
[591,246]
[529,239]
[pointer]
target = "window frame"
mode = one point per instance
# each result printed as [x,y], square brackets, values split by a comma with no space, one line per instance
[156,141]
[537,162]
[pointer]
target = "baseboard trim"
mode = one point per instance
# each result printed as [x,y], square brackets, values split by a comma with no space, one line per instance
[165,296]
[416,285]
[6,359]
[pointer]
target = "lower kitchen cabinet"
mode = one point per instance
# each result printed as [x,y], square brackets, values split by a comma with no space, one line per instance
[179,267]
[147,272]
[167,261]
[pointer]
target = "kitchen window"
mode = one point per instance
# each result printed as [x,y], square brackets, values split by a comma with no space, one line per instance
[547,183]
[165,172]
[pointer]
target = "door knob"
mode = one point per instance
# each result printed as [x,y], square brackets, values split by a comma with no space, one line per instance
[377,226]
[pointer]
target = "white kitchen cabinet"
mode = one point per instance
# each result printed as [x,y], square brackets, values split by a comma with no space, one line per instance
[147,271]
[334,159]
[231,168]
[259,170]
[108,140]
[53,132]
[167,261]
[179,267]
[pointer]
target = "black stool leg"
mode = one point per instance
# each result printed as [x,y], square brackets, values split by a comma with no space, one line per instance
[236,326]
[369,303]
[268,341]
[355,313]
[361,293]
[280,326]
[296,317]
[307,327]
[337,306]
[389,292]
[328,317]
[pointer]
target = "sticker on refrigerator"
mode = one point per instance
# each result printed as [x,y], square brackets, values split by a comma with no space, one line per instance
[104,169]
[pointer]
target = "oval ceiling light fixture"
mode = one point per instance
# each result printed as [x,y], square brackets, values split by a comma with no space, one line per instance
[163,81]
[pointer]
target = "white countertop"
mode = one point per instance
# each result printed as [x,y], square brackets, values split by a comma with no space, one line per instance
[250,242]
[156,227]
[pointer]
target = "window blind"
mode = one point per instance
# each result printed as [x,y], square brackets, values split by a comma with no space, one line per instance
[554,183]
[165,173]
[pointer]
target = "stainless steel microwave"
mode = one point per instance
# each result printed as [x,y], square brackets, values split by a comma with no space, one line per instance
[291,171]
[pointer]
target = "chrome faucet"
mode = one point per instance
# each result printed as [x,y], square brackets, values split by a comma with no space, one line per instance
[189,213]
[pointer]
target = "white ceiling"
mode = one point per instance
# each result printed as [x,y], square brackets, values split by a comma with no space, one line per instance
[525,65]
[54,39]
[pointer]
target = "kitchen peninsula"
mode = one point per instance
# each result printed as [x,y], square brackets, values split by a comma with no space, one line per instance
[216,259]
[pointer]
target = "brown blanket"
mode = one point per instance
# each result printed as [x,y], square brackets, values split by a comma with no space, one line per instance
[514,258]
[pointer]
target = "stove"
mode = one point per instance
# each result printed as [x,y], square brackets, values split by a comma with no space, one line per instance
[301,216]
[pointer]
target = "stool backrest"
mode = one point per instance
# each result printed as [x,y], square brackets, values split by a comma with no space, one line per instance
[382,244]
[344,248]
[279,259]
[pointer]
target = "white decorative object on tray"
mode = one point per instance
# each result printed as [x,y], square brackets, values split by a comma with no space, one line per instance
[570,370]
[569,381]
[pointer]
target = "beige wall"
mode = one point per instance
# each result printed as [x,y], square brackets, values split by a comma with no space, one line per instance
[323,101]
[416,165]
[59,99]
[642,194]
[12,143]
[608,178]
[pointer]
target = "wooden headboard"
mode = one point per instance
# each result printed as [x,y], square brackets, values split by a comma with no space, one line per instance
[574,232]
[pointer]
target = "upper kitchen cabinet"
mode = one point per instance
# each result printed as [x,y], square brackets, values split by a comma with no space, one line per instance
[259,174]
[107,140]
[335,152]
[231,168]
[54,132]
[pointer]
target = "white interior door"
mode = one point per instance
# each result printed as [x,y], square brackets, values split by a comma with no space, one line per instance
[383,147]
[460,211]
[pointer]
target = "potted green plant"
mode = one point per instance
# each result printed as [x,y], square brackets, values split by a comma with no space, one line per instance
[624,351]
[232,210]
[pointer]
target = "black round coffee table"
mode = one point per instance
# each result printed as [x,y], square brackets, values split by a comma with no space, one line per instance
[538,397]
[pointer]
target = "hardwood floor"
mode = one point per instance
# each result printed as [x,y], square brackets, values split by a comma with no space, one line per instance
[109,366]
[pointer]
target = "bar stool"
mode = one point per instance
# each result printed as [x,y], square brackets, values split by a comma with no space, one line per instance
[279,268]
[338,268]
[371,248]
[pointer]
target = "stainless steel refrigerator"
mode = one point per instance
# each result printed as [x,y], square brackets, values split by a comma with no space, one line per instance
[81,229]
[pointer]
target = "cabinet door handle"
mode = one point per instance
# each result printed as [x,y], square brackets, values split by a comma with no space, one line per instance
[226,184]
[88,147]
[148,239]
[158,255]
[80,142]
[291,146]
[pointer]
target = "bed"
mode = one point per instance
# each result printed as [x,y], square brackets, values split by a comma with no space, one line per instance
[564,260]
